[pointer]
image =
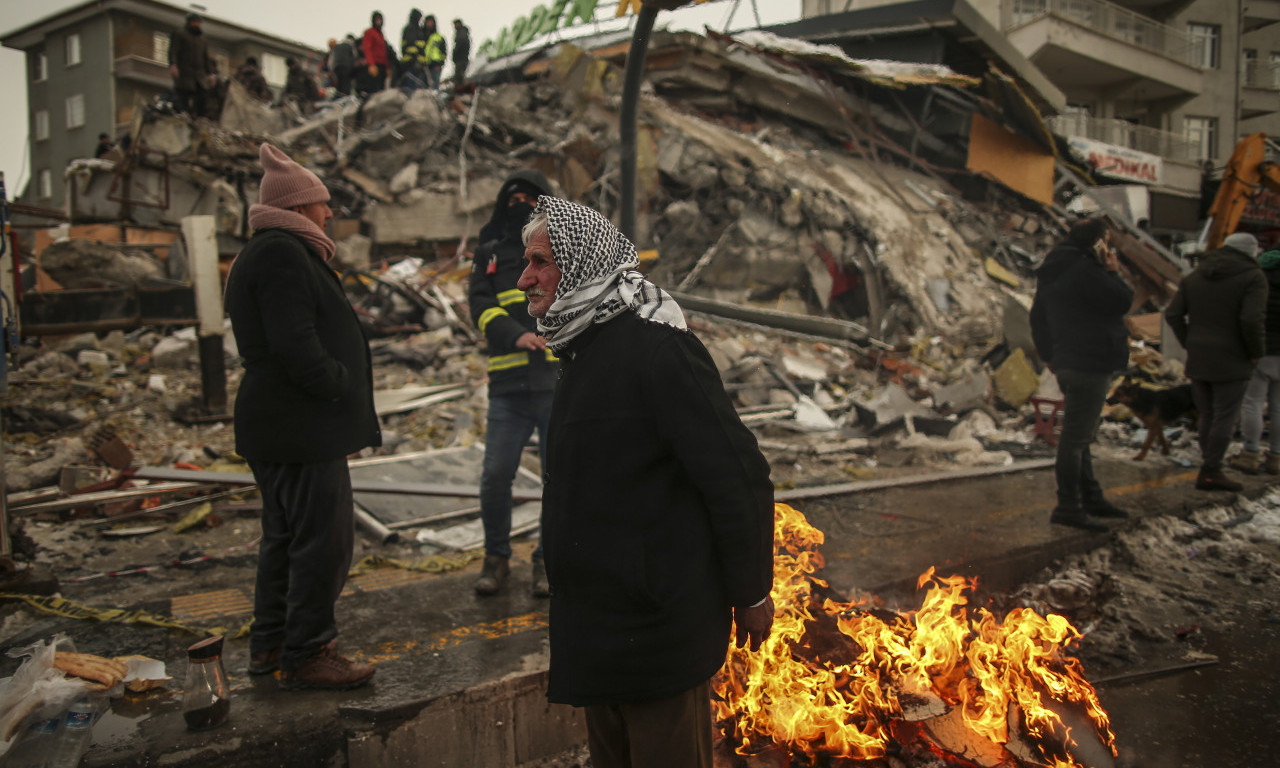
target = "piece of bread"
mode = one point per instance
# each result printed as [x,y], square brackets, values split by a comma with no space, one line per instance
[86,666]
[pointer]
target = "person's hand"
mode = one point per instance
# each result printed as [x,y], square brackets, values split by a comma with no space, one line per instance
[373,70]
[753,624]
[173,71]
[531,340]
[1110,261]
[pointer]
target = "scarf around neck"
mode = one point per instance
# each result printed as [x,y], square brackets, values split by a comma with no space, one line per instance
[598,276]
[270,217]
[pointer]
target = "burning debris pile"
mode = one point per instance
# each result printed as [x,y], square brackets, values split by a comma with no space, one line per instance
[841,680]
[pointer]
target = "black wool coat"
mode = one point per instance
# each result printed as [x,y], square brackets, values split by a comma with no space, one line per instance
[657,515]
[307,391]
[1077,316]
[1219,316]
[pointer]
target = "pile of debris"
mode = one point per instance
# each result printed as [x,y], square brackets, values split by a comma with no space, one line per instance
[863,293]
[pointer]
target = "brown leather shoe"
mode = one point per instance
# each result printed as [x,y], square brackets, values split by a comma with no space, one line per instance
[328,670]
[264,662]
[492,575]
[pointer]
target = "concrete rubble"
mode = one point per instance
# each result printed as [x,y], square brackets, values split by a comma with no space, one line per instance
[863,295]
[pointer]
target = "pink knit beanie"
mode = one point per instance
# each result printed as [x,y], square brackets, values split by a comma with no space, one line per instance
[286,184]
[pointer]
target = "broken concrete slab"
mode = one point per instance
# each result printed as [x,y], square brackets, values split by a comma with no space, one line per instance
[420,215]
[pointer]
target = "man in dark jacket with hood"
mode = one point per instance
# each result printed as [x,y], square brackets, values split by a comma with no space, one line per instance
[461,54]
[657,514]
[193,70]
[1219,316]
[1077,323]
[413,50]
[522,373]
[305,403]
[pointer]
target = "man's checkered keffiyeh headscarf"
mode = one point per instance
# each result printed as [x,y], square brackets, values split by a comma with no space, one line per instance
[598,278]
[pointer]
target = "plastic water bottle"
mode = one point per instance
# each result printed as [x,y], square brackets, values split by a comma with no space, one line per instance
[35,749]
[77,732]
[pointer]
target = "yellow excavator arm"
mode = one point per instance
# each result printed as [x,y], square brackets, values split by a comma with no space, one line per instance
[1247,173]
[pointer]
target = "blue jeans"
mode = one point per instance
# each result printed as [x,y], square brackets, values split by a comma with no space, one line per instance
[1083,395]
[512,419]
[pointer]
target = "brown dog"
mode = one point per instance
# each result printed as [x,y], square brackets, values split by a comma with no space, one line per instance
[1155,408]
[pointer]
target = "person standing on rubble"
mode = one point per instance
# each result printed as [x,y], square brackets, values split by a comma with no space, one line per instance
[522,374]
[251,78]
[299,87]
[1077,324]
[461,55]
[194,72]
[305,404]
[657,512]
[435,54]
[1219,316]
[413,52]
[374,47]
[342,62]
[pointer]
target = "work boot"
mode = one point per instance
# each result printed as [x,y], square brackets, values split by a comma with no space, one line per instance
[492,575]
[264,662]
[1076,518]
[328,670]
[1103,508]
[1272,464]
[1246,461]
[1212,479]
[541,587]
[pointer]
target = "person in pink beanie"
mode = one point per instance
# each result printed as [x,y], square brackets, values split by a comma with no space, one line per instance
[305,403]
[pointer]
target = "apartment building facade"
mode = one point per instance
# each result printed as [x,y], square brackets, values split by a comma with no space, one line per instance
[1157,91]
[89,67]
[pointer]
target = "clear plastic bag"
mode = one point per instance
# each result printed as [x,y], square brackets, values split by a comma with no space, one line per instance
[36,694]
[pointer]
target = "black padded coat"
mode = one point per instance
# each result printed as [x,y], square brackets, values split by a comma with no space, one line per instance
[657,515]
[307,391]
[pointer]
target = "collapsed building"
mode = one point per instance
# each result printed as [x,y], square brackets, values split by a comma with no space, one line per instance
[854,237]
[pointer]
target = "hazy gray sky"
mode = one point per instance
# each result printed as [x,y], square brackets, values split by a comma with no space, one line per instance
[315,21]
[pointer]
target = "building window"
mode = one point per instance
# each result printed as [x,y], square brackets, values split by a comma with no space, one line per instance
[73,49]
[40,68]
[160,47]
[1202,134]
[46,184]
[42,125]
[75,111]
[273,69]
[1204,41]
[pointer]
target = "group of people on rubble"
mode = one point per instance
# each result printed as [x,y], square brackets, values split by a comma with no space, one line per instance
[423,51]
[1225,314]
[657,507]
[351,66]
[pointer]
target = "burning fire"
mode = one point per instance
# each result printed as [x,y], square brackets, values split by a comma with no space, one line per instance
[834,679]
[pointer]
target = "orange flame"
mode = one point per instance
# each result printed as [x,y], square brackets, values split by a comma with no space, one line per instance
[833,683]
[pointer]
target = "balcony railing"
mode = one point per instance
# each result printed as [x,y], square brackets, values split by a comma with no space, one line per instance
[1258,74]
[1125,134]
[1115,22]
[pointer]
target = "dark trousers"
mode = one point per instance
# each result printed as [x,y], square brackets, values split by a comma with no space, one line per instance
[666,733]
[460,73]
[308,528]
[342,80]
[1219,405]
[511,420]
[1083,395]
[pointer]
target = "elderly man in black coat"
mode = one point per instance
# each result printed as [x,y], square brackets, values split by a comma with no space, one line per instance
[1219,314]
[657,505]
[305,403]
[1077,324]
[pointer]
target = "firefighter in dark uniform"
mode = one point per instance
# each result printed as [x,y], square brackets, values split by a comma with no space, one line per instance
[522,372]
